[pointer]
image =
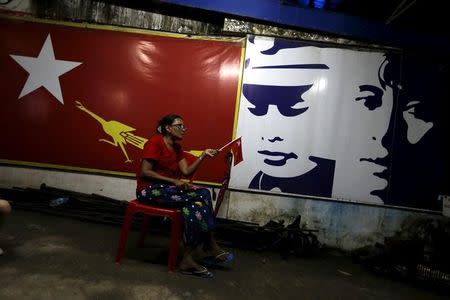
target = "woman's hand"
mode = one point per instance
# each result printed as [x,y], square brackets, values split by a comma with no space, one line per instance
[181,184]
[187,170]
[210,152]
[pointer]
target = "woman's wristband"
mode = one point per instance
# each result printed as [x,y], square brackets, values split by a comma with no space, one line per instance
[202,156]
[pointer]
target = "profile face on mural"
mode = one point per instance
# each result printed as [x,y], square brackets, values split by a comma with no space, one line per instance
[416,126]
[313,120]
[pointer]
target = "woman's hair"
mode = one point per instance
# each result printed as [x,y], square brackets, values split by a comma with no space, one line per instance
[389,71]
[166,120]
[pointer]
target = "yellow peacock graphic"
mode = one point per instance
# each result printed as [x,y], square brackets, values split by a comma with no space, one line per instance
[120,133]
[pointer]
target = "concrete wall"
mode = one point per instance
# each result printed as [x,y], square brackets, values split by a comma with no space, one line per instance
[113,187]
[342,225]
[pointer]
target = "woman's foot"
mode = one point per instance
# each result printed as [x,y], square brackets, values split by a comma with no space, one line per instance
[214,250]
[188,266]
[217,257]
[188,262]
[203,273]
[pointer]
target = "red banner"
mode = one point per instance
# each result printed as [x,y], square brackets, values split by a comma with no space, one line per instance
[89,98]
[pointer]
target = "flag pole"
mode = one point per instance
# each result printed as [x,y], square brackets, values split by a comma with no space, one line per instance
[228,144]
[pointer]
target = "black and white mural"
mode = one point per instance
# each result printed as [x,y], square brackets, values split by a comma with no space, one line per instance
[339,123]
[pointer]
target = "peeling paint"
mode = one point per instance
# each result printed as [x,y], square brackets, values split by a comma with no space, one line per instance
[105,13]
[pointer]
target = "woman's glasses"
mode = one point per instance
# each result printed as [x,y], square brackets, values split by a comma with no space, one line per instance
[180,126]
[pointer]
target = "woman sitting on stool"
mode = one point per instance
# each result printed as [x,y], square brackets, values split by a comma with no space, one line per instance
[163,163]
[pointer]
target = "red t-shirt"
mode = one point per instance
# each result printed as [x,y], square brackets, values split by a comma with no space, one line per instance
[165,161]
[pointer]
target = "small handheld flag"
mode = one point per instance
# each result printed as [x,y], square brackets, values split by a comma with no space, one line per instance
[236,149]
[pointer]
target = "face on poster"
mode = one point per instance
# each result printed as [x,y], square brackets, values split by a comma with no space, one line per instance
[314,120]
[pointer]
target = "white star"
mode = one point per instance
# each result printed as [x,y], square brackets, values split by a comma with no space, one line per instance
[44,70]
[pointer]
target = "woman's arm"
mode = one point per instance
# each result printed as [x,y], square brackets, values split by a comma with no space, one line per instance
[147,171]
[189,169]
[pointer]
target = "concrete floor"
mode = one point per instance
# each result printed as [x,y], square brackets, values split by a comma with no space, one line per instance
[50,257]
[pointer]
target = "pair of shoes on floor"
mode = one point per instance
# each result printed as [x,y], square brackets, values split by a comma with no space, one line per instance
[202,273]
[223,259]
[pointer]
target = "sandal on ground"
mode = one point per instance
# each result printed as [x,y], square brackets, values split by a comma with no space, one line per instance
[203,273]
[224,258]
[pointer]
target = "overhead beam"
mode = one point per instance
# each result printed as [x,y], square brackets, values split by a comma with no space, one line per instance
[275,12]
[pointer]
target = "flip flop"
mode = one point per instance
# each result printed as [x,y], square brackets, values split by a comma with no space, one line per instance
[222,259]
[203,273]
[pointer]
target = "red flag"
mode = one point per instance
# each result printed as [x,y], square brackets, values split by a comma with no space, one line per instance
[236,150]
[88,99]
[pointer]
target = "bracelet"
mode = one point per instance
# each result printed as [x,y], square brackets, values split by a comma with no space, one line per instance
[202,156]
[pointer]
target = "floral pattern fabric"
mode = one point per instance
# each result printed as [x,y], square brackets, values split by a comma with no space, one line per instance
[195,204]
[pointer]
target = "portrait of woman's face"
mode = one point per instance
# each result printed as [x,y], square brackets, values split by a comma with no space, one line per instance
[367,105]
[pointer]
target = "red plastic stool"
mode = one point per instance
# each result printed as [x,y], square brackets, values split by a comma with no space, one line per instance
[175,233]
